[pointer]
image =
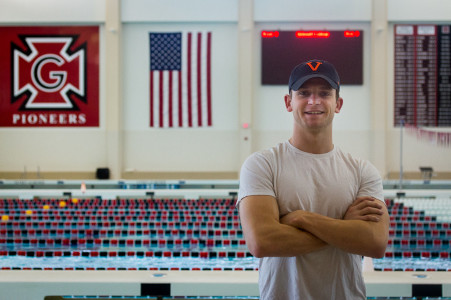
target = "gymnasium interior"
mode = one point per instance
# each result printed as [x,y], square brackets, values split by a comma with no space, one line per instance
[119,179]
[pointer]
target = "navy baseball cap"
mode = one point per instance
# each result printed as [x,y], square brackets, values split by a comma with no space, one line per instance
[312,69]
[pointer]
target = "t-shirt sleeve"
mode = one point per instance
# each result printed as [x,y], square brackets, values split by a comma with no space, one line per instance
[256,177]
[371,182]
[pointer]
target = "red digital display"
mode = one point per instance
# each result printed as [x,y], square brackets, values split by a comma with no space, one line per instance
[270,34]
[312,34]
[349,33]
[343,48]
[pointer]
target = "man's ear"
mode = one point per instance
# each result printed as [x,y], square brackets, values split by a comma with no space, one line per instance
[339,105]
[288,103]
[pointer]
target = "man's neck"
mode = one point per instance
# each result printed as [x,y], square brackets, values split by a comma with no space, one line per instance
[312,143]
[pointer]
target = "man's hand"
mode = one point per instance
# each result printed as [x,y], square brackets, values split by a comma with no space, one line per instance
[292,218]
[365,209]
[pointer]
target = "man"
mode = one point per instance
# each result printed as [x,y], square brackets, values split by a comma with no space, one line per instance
[307,209]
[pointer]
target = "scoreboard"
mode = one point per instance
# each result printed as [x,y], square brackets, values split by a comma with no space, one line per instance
[283,50]
[422,68]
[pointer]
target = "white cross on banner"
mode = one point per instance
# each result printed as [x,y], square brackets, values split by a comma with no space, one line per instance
[180,79]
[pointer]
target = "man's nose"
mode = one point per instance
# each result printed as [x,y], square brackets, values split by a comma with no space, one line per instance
[313,99]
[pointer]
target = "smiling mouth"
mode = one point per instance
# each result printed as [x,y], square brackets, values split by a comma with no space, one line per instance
[313,112]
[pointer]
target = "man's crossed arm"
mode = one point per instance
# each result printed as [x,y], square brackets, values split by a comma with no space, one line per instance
[363,230]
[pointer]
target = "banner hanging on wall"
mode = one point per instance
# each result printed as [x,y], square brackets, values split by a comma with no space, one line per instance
[49,76]
[435,138]
[180,79]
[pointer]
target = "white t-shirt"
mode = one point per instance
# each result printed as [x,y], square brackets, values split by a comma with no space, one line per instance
[326,184]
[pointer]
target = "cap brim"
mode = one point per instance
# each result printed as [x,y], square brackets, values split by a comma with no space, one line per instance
[297,85]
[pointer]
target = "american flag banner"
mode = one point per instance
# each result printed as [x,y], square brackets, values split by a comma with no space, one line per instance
[180,79]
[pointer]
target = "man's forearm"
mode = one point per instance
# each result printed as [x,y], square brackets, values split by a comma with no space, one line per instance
[266,236]
[282,240]
[354,236]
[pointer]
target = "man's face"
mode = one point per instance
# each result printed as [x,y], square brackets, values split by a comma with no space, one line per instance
[314,104]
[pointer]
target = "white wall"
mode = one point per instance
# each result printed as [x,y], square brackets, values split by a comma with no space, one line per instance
[312,11]
[214,149]
[50,11]
[179,11]
[211,149]
[418,11]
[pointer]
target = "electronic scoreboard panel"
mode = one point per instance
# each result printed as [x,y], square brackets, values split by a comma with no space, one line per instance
[422,75]
[283,50]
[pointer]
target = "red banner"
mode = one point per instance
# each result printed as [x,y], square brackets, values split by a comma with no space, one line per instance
[433,137]
[49,76]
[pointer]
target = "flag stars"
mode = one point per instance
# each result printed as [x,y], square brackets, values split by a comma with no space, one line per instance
[165,49]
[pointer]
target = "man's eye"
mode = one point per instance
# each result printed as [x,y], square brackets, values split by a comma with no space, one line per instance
[325,94]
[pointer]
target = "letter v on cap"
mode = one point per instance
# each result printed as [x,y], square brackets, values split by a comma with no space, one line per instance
[314,68]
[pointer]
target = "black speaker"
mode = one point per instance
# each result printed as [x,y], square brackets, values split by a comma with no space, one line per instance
[103,173]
